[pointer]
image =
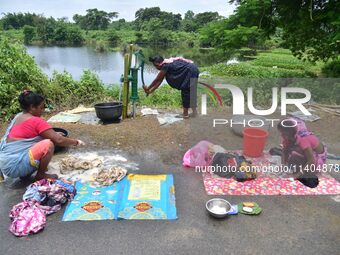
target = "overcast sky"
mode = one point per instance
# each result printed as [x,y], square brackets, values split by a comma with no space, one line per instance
[125,8]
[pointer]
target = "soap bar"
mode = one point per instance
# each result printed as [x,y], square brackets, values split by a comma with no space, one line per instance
[247,209]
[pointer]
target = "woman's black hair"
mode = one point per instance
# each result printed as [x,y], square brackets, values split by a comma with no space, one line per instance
[156,59]
[288,129]
[28,99]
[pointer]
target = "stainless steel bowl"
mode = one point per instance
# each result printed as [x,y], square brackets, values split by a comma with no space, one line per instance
[218,207]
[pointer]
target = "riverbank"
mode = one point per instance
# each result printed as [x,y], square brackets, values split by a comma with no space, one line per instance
[111,40]
[276,63]
[20,71]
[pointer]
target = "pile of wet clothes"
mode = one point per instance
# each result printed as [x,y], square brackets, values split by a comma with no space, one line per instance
[41,198]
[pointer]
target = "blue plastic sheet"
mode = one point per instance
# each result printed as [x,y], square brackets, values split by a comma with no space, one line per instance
[134,197]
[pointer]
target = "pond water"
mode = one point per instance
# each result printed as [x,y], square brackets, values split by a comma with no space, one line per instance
[109,66]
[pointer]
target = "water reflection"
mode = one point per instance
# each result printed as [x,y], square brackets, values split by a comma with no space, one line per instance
[109,66]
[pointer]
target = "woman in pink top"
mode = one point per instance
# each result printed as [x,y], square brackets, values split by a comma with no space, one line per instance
[302,150]
[29,141]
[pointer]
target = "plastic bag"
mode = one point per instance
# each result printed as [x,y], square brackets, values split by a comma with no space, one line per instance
[198,155]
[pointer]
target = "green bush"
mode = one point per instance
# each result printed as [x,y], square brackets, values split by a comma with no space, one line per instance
[75,36]
[113,38]
[63,86]
[90,88]
[13,35]
[29,34]
[331,69]
[18,71]
[101,46]
[71,93]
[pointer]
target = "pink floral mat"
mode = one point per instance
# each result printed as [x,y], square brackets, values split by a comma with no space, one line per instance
[267,184]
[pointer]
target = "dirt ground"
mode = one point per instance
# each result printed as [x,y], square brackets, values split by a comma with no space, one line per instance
[170,142]
[288,224]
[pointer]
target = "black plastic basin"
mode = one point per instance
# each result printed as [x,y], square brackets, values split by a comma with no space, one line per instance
[64,133]
[109,112]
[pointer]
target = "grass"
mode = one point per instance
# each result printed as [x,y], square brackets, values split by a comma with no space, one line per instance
[163,97]
[278,63]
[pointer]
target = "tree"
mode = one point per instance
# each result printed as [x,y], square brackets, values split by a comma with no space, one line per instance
[156,33]
[95,19]
[255,13]
[19,20]
[192,22]
[121,24]
[143,15]
[189,15]
[201,19]
[169,20]
[74,36]
[45,31]
[310,27]
[29,33]
[60,33]
[188,23]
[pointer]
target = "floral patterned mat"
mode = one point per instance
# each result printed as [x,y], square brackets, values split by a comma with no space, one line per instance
[267,184]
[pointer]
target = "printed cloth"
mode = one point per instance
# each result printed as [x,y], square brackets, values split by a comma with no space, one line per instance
[41,198]
[16,157]
[180,73]
[268,182]
[27,218]
[303,139]
[268,186]
[48,188]
[171,60]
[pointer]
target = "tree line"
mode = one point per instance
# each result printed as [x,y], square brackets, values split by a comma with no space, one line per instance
[153,20]
[310,28]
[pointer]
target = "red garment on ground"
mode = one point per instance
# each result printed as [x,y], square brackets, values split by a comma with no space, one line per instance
[30,128]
